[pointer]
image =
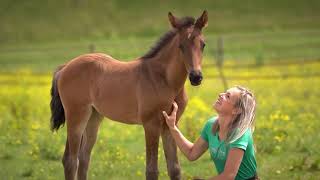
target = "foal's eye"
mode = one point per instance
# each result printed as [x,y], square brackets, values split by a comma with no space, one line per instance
[202,45]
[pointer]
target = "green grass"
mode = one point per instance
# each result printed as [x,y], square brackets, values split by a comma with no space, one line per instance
[45,57]
[285,137]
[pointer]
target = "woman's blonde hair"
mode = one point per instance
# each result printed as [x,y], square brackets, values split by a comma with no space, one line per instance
[244,120]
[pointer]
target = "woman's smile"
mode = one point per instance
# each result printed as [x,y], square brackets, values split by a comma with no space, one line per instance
[219,100]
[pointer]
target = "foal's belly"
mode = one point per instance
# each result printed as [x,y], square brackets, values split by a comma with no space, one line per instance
[116,114]
[118,104]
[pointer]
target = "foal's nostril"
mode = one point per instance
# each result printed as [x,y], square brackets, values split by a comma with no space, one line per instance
[195,78]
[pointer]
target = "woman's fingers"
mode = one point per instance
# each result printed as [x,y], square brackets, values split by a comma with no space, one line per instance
[165,115]
[175,107]
[173,113]
[170,120]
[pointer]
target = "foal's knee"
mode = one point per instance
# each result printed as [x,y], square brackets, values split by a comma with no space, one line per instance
[84,162]
[70,163]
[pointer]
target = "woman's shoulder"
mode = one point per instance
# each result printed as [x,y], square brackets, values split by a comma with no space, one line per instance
[248,133]
[246,136]
[243,141]
[207,128]
[212,119]
[210,122]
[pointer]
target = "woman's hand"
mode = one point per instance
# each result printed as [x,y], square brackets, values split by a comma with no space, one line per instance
[190,150]
[171,120]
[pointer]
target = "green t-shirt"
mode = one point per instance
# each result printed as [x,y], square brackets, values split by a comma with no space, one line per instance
[219,151]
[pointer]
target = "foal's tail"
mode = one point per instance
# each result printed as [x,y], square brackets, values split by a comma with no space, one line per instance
[57,111]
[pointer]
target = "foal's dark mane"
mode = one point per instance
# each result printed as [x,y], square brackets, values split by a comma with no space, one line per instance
[184,22]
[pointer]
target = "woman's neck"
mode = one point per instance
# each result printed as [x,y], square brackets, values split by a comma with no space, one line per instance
[224,125]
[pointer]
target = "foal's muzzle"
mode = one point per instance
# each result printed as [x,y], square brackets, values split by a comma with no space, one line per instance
[195,78]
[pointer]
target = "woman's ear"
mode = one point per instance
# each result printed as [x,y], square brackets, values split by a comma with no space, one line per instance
[237,111]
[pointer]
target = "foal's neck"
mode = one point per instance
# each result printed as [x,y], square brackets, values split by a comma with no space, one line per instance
[170,58]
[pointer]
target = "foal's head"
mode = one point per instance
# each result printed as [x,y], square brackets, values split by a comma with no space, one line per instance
[191,44]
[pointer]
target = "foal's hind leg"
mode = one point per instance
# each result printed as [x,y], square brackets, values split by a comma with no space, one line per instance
[88,140]
[77,118]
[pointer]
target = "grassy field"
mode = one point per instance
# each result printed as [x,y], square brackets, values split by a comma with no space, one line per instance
[240,48]
[285,137]
[36,36]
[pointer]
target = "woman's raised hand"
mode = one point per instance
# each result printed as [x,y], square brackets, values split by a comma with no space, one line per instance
[171,120]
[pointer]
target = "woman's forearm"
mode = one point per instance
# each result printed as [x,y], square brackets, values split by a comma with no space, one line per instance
[183,143]
[191,150]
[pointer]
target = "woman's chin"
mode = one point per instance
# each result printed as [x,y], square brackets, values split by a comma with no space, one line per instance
[216,106]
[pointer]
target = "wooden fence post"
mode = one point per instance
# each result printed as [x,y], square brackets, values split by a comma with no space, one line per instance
[92,48]
[220,58]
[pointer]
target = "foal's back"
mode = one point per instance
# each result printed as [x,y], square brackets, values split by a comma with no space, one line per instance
[100,81]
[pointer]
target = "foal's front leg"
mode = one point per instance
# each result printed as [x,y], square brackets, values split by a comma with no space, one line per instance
[170,152]
[152,133]
[169,145]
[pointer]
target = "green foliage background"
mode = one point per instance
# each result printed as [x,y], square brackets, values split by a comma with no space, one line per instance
[36,36]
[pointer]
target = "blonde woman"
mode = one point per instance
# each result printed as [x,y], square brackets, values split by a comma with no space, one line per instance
[227,136]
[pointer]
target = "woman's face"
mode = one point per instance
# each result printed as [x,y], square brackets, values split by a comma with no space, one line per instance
[226,101]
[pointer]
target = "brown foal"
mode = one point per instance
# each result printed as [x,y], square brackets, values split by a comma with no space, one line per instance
[93,86]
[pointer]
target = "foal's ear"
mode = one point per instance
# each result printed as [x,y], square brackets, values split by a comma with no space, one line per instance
[173,20]
[202,21]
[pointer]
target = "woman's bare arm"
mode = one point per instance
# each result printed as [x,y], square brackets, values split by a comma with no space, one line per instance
[232,165]
[191,150]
